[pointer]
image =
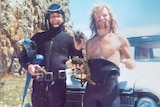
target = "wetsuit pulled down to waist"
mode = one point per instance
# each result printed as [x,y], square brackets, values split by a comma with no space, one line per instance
[105,75]
[100,69]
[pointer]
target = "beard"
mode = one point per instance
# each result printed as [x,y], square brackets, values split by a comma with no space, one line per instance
[102,24]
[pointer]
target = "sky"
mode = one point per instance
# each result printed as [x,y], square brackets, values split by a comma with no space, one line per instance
[134,17]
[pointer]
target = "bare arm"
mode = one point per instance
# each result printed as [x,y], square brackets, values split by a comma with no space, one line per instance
[87,50]
[125,51]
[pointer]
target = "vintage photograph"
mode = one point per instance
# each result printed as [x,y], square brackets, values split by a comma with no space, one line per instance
[87,53]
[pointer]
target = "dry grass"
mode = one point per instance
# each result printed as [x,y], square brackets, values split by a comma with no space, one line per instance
[11,92]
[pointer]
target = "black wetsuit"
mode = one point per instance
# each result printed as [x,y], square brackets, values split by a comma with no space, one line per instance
[105,93]
[56,46]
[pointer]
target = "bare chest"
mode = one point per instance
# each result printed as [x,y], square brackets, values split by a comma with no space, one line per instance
[105,48]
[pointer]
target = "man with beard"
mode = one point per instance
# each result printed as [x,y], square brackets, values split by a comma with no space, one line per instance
[105,50]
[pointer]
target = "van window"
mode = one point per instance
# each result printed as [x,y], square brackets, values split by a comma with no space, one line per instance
[146,53]
[156,52]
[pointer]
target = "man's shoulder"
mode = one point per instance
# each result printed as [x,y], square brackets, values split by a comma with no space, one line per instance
[38,35]
[66,33]
[116,34]
[91,40]
[119,36]
[122,39]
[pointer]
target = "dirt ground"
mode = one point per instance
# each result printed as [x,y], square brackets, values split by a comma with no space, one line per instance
[11,91]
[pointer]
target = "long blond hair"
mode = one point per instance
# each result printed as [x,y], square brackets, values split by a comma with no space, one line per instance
[113,22]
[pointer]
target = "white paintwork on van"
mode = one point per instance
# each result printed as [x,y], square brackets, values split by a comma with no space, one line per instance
[144,78]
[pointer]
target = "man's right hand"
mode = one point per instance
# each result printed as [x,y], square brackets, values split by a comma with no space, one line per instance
[129,63]
[32,69]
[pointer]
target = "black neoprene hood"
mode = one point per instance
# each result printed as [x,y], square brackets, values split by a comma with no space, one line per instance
[53,8]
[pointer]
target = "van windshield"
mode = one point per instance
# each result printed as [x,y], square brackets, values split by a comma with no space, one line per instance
[145,48]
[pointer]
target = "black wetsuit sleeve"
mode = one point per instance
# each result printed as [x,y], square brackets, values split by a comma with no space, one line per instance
[73,51]
[76,53]
[23,58]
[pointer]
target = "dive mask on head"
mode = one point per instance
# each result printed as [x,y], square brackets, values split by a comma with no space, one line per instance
[55,8]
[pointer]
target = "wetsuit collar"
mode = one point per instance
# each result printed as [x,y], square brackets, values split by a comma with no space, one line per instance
[55,31]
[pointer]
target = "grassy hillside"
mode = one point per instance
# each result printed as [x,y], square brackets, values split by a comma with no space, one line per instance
[11,91]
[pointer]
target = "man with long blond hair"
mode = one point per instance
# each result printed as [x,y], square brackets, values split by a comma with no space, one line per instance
[105,50]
